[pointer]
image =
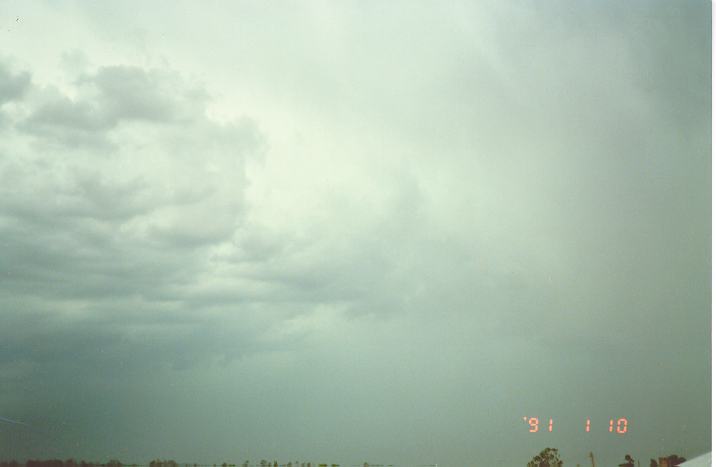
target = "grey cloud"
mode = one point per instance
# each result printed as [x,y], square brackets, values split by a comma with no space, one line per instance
[131,93]
[188,233]
[84,197]
[12,85]
[65,113]
[109,97]
[88,250]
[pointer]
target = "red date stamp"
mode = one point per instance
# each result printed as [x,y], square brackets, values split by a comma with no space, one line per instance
[620,426]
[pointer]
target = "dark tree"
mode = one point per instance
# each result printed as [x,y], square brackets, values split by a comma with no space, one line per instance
[674,460]
[549,457]
[669,461]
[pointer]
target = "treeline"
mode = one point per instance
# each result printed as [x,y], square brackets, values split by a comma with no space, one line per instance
[111,463]
[549,457]
[58,463]
[265,463]
[669,461]
[153,463]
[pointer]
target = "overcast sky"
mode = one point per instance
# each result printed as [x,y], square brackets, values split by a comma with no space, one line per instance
[339,232]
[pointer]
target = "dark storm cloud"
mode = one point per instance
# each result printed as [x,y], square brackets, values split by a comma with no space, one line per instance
[78,236]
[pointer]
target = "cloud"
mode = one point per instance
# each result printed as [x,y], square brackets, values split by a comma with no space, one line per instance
[131,93]
[85,229]
[333,243]
[126,219]
[12,84]
[110,97]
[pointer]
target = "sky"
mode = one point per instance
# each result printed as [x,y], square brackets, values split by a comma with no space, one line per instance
[354,231]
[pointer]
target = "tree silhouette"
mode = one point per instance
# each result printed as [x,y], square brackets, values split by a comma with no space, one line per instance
[549,457]
[669,461]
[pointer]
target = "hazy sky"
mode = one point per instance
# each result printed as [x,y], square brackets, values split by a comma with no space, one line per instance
[339,232]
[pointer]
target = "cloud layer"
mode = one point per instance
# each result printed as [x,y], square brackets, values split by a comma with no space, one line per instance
[343,232]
